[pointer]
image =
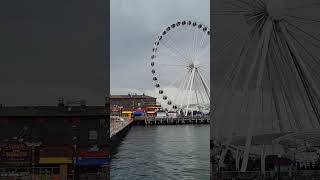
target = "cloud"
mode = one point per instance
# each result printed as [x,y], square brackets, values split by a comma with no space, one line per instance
[134,27]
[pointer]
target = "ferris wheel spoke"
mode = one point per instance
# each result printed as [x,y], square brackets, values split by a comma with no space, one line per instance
[201,46]
[194,32]
[166,64]
[316,60]
[303,18]
[303,31]
[196,44]
[174,51]
[230,42]
[170,45]
[207,73]
[302,65]
[203,52]
[170,55]
[237,5]
[181,51]
[303,6]
[180,57]
[201,39]
[230,12]
[187,48]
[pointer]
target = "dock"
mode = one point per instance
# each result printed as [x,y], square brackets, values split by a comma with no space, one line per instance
[171,121]
[118,126]
[118,130]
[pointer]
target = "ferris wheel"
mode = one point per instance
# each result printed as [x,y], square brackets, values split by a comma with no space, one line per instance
[180,66]
[272,89]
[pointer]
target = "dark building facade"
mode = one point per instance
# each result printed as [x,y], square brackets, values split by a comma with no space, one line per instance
[54,135]
[130,102]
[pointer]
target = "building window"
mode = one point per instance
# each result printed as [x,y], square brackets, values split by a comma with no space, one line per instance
[93,135]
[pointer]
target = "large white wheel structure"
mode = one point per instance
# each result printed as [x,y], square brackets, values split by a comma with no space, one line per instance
[180,66]
[272,89]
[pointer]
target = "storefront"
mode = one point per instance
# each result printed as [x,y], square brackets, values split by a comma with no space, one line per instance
[127,114]
[151,110]
[93,160]
[139,112]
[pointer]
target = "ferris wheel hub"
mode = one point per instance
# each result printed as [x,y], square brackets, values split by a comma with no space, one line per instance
[196,64]
[276,9]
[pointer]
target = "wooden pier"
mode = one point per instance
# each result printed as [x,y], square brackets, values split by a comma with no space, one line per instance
[171,121]
[117,127]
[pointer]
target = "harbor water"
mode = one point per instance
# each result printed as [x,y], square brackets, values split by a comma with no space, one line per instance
[163,152]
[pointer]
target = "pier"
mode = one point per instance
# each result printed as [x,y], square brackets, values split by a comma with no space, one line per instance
[118,126]
[118,130]
[171,121]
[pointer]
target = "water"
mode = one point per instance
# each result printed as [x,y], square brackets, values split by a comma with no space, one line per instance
[163,152]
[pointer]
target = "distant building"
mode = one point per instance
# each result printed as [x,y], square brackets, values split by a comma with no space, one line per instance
[130,102]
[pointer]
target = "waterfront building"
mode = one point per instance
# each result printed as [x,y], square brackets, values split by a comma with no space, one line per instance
[63,137]
[151,110]
[132,101]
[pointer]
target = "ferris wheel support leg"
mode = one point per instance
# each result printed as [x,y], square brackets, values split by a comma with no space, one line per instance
[186,86]
[205,84]
[262,54]
[179,101]
[237,161]
[263,156]
[190,88]
[300,61]
[224,154]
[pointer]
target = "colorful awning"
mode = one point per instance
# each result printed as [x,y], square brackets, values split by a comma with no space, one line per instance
[55,160]
[138,113]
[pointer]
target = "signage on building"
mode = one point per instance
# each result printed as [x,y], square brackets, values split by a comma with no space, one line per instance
[15,154]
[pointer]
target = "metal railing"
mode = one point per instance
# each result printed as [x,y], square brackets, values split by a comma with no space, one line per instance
[258,174]
[190,118]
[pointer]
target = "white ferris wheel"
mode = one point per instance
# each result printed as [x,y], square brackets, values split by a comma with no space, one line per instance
[180,66]
[272,88]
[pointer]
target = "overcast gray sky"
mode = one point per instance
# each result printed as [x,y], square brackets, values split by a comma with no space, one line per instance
[51,49]
[134,27]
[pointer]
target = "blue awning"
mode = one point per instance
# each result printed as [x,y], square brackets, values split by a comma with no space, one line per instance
[138,113]
[92,161]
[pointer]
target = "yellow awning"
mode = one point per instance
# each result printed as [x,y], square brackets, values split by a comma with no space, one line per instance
[55,160]
[126,112]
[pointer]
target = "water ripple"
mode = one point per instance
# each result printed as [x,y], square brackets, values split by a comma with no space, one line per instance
[163,152]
